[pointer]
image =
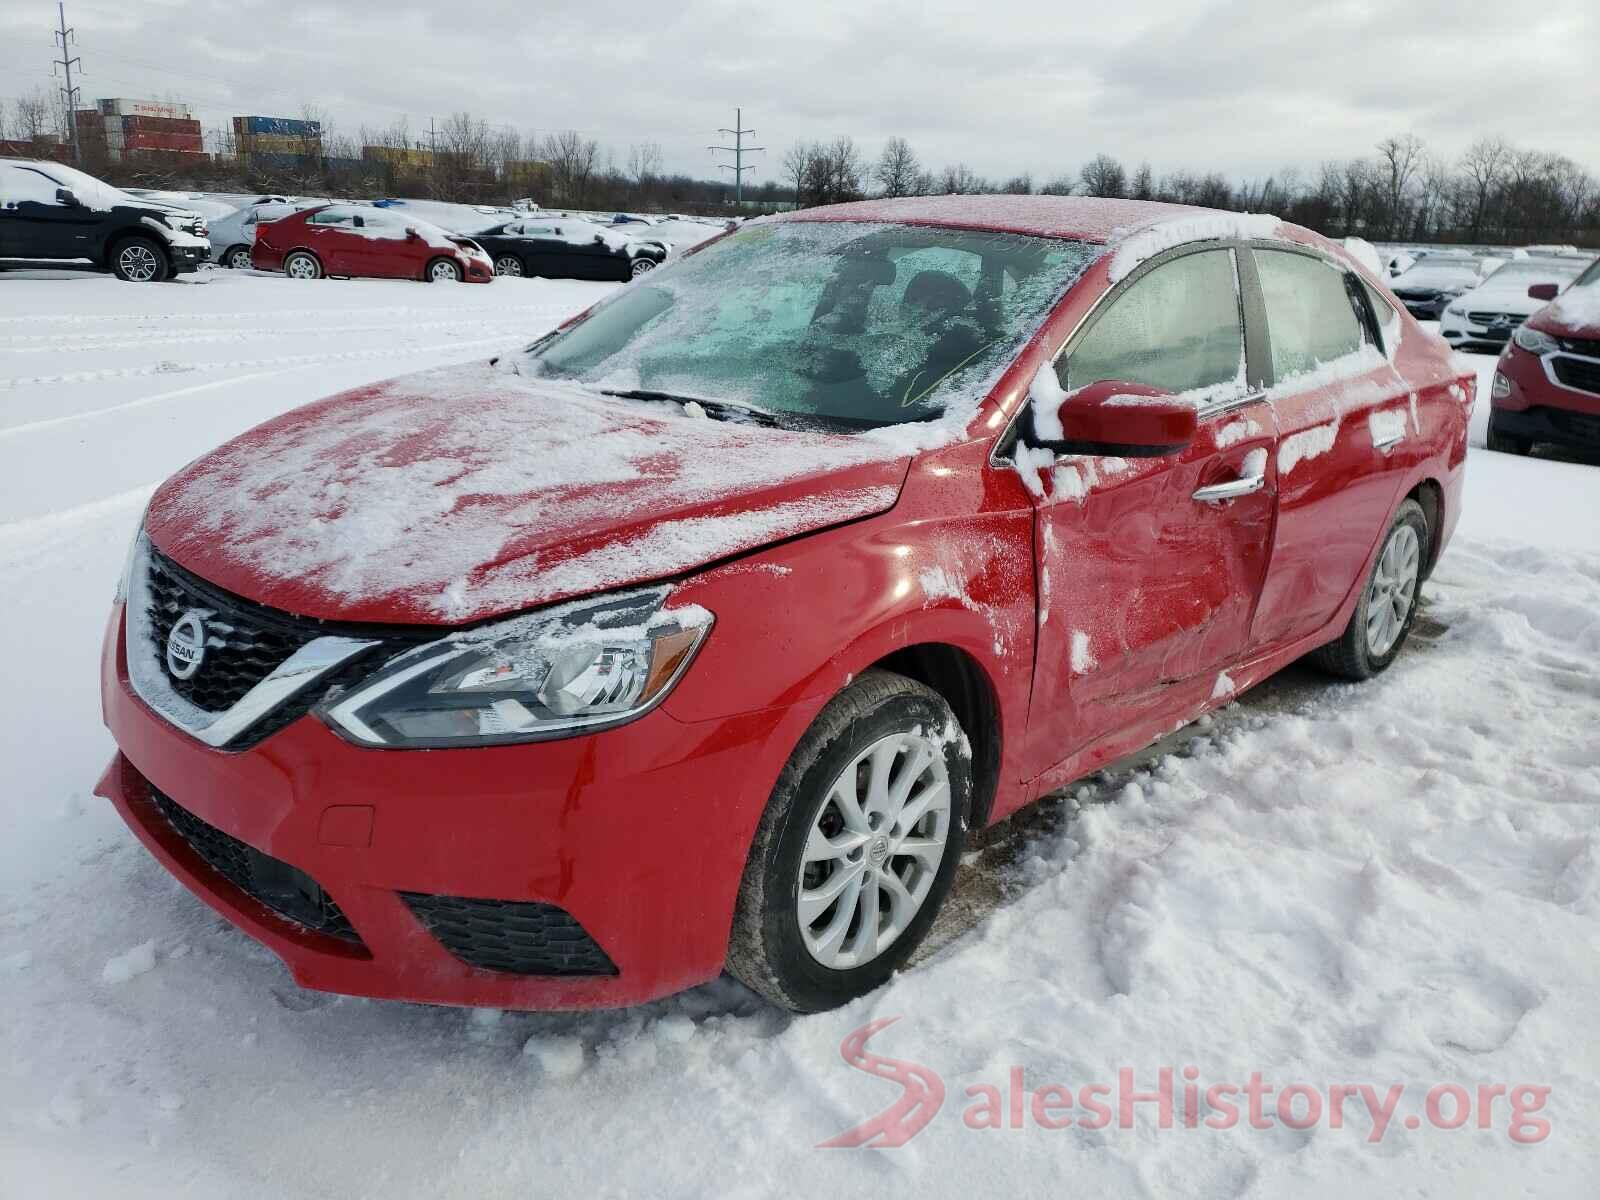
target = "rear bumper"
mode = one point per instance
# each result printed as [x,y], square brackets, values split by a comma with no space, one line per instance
[639,834]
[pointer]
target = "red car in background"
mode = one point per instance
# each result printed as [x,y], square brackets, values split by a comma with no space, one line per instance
[699,634]
[1547,382]
[353,240]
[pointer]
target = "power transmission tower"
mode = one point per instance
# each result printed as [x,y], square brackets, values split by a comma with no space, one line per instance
[66,37]
[738,150]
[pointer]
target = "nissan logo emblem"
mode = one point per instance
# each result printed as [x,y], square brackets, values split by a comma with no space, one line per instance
[186,644]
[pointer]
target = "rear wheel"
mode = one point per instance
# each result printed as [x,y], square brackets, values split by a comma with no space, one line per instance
[1388,606]
[508,264]
[139,260]
[302,264]
[857,849]
[237,258]
[1505,443]
[443,270]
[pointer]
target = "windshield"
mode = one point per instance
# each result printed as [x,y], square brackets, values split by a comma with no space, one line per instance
[1540,271]
[854,324]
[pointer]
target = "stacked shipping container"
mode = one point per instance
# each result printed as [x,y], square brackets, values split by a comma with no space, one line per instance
[124,127]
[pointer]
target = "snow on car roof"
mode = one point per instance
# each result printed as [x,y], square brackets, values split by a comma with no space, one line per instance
[1080,218]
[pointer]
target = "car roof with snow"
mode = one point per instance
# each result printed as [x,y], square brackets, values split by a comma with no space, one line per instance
[1079,218]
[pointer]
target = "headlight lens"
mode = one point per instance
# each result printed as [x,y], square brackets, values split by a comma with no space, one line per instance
[581,666]
[1535,342]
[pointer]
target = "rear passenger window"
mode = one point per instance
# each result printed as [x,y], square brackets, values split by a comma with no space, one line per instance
[1310,314]
[1176,328]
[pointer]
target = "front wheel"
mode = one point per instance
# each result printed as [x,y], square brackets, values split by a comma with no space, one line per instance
[443,270]
[139,260]
[1388,606]
[1505,444]
[640,267]
[857,848]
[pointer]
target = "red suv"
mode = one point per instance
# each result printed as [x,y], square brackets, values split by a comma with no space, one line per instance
[701,633]
[351,240]
[1547,382]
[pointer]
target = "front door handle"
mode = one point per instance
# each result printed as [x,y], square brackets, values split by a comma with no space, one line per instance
[1254,479]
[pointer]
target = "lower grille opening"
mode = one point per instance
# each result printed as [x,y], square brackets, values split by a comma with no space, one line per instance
[511,936]
[287,891]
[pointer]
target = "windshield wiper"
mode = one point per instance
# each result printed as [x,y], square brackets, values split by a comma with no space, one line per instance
[722,410]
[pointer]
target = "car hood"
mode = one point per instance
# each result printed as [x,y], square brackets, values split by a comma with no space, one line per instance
[1505,297]
[1431,280]
[461,494]
[1574,313]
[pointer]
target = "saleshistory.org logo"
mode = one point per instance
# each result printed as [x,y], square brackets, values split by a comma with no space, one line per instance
[1177,1098]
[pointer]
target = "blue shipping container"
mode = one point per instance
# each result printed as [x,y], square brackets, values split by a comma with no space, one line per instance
[283,126]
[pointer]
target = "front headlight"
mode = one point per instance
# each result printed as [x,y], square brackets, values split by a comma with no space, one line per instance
[1535,342]
[582,666]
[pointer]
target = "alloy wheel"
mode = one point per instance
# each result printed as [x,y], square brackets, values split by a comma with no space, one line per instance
[138,262]
[508,264]
[640,266]
[301,266]
[239,260]
[444,271]
[873,850]
[1393,590]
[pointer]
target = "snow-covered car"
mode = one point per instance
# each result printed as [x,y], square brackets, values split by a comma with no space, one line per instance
[698,634]
[234,236]
[1487,315]
[1426,288]
[52,212]
[569,248]
[362,241]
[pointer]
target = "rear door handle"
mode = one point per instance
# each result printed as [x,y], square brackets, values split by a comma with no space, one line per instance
[1232,489]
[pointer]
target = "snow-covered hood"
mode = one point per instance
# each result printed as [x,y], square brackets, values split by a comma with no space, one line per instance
[1574,313]
[1502,297]
[1433,277]
[465,493]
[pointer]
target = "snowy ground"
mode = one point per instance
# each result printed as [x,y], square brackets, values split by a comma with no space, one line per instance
[1389,884]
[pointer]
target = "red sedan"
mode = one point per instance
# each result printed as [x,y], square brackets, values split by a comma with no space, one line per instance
[698,635]
[352,240]
[1547,382]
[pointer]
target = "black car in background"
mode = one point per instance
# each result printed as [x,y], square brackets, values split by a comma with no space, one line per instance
[568,248]
[53,213]
[1433,282]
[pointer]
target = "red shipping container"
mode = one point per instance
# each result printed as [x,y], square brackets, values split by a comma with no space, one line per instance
[187,142]
[159,125]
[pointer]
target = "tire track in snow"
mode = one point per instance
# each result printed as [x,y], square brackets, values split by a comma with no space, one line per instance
[91,414]
[24,539]
[98,343]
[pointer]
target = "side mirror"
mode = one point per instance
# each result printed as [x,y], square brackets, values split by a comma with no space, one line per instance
[599,239]
[66,196]
[1543,291]
[411,233]
[1128,420]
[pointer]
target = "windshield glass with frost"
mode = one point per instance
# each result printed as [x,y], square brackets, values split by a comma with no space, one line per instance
[857,324]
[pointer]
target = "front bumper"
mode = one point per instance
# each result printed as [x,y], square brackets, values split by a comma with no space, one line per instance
[188,258]
[1425,308]
[1463,333]
[1538,406]
[639,834]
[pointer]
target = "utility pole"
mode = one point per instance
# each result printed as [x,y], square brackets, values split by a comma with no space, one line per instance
[738,150]
[66,37]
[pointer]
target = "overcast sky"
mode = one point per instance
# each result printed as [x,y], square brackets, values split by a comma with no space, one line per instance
[1245,86]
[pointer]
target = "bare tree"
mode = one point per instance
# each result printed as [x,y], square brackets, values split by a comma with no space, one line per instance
[1401,157]
[960,180]
[1018,185]
[32,119]
[1484,165]
[898,172]
[572,158]
[1144,187]
[644,162]
[797,165]
[1104,176]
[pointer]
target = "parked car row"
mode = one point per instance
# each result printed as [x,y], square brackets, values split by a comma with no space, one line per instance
[1485,317]
[53,213]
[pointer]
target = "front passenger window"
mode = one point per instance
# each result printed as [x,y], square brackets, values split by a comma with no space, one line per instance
[1177,327]
[19,185]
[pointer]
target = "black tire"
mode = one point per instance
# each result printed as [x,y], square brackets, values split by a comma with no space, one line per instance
[767,951]
[236,258]
[313,265]
[1506,444]
[429,273]
[139,259]
[1351,656]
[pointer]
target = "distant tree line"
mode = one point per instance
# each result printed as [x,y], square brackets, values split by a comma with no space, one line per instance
[1495,192]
